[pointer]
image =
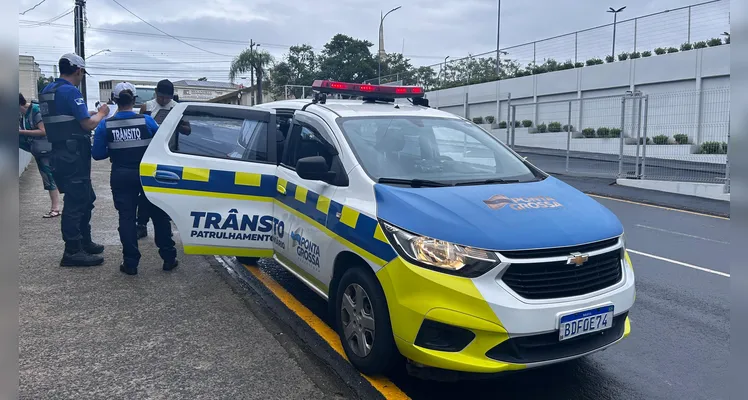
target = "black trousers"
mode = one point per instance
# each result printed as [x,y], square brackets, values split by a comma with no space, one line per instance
[71,169]
[128,197]
[143,207]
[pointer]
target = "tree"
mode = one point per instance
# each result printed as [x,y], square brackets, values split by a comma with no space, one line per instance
[42,82]
[426,77]
[395,67]
[347,59]
[303,64]
[248,59]
[300,66]
[203,79]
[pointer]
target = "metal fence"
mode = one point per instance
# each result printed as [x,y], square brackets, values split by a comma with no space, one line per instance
[680,136]
[297,92]
[667,31]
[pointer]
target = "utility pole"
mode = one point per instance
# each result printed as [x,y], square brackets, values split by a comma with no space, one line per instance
[251,72]
[80,11]
[252,84]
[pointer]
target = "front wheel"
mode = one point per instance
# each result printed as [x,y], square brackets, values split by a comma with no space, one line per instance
[363,323]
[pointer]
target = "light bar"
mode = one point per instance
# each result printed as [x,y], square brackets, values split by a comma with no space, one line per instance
[367,90]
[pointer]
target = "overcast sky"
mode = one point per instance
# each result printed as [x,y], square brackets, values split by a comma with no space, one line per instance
[427,30]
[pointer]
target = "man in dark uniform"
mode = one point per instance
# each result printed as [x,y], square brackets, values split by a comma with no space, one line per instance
[124,139]
[68,125]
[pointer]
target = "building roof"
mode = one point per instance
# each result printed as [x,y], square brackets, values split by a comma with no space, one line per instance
[208,84]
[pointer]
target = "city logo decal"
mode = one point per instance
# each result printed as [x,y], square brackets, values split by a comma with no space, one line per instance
[306,249]
[236,226]
[499,201]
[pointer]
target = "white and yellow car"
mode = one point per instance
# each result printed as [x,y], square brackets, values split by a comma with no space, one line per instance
[429,237]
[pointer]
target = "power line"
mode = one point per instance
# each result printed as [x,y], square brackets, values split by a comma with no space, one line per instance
[49,21]
[192,38]
[173,37]
[35,6]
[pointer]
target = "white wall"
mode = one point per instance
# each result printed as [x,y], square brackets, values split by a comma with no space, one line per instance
[24,158]
[689,93]
[28,75]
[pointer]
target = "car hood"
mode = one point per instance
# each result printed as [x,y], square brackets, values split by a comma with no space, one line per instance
[520,216]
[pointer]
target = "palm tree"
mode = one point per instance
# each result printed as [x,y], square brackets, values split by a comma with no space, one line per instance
[247,60]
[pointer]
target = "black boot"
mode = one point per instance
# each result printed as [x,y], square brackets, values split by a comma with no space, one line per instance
[128,270]
[93,248]
[142,231]
[168,266]
[80,259]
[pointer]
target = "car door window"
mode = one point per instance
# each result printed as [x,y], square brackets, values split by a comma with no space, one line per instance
[306,141]
[223,133]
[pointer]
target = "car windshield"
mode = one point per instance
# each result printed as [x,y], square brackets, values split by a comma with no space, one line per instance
[435,150]
[145,94]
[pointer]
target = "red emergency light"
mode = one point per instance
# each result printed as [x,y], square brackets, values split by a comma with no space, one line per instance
[379,92]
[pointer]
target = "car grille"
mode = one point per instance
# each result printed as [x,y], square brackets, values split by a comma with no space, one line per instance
[547,347]
[557,279]
[561,251]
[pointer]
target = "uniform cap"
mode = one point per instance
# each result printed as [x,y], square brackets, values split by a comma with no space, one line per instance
[75,61]
[123,86]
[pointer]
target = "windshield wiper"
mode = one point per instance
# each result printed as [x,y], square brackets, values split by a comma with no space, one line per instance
[487,182]
[414,182]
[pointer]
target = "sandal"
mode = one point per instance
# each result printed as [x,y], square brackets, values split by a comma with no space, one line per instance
[51,214]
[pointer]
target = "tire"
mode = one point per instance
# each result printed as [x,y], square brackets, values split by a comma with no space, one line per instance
[248,260]
[382,352]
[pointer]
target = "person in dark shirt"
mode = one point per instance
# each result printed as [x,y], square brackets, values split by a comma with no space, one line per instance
[123,139]
[68,124]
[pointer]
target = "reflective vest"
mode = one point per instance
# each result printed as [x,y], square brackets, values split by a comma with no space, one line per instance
[59,127]
[127,140]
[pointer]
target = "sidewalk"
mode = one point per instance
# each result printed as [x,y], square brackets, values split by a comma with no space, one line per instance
[97,333]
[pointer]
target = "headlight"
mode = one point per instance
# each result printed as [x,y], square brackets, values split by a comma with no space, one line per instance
[439,255]
[625,259]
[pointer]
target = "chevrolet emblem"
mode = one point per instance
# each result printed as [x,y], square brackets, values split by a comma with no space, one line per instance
[577,259]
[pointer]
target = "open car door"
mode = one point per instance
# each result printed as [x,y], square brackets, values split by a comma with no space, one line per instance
[210,168]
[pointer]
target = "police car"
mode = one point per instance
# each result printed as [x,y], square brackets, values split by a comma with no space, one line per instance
[433,242]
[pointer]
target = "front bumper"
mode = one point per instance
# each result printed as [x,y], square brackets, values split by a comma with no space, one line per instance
[506,332]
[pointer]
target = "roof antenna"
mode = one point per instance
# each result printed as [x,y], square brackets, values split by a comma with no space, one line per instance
[317,98]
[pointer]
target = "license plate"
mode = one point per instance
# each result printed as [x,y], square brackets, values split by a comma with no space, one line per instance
[583,322]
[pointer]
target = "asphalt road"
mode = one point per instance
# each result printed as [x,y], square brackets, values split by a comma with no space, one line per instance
[679,342]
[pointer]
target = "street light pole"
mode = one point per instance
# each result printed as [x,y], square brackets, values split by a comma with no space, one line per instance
[445,69]
[498,34]
[615,15]
[98,52]
[381,42]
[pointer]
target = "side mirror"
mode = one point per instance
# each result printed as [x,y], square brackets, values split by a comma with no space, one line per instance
[314,168]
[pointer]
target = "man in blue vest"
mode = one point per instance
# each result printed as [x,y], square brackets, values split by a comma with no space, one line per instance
[68,126]
[124,138]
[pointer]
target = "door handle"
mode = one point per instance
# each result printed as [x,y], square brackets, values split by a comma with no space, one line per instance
[281,189]
[166,177]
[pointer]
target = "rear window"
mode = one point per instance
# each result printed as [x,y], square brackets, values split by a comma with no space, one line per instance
[222,133]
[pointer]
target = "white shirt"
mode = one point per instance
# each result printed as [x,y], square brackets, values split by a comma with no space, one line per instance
[154,107]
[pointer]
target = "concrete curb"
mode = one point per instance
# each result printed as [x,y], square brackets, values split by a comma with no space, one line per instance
[714,191]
